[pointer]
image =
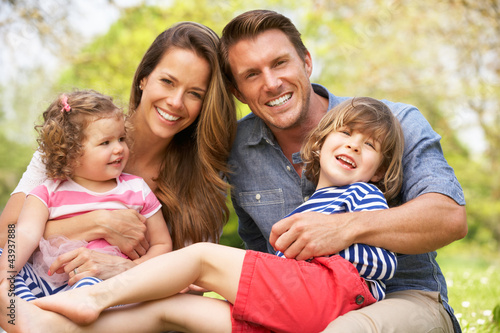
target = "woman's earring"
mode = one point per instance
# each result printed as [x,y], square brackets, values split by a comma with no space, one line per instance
[140,86]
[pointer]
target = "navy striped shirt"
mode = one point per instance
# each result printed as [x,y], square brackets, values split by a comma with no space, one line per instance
[374,264]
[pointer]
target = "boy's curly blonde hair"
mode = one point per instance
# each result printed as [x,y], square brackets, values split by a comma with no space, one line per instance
[369,116]
[61,135]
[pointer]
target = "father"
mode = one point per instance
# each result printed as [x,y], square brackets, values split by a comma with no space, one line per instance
[269,68]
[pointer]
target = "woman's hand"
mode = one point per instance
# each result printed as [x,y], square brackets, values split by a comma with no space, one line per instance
[83,262]
[125,228]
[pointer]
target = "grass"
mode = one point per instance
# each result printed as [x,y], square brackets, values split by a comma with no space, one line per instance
[473,276]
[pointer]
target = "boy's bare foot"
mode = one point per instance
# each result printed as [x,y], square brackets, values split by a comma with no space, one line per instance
[78,305]
[19,316]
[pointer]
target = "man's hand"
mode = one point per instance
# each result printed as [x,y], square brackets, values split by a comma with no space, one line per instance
[306,235]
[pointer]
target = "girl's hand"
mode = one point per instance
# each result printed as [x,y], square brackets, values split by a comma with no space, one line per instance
[194,289]
[125,228]
[89,263]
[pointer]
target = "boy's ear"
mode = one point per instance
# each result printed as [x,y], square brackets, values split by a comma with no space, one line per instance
[378,175]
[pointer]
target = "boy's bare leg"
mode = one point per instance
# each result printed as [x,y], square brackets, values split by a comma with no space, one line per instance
[211,266]
[187,313]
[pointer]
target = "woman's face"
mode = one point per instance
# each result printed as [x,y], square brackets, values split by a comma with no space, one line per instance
[173,93]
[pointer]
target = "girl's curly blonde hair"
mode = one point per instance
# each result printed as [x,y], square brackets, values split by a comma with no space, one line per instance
[61,135]
[369,116]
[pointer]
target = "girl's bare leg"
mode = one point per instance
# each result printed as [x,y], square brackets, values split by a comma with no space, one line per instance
[211,266]
[182,312]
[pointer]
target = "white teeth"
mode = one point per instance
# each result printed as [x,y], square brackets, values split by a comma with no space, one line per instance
[345,159]
[280,101]
[166,115]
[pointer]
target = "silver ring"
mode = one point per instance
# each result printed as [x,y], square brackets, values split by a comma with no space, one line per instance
[75,272]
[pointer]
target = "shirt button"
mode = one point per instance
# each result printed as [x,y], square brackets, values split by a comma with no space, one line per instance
[306,198]
[257,196]
[288,168]
[359,299]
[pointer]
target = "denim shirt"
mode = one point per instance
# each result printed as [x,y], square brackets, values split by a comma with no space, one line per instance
[266,187]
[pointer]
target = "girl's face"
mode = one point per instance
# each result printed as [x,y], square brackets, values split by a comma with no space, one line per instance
[105,152]
[348,156]
[173,93]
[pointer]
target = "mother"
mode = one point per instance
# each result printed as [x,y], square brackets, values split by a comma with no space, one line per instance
[182,123]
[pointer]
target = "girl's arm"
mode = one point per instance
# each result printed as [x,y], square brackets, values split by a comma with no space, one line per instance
[158,237]
[28,230]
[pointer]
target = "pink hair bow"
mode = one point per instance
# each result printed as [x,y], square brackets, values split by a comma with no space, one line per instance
[64,101]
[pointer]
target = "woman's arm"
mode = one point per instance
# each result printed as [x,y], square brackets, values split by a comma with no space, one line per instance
[10,215]
[28,232]
[124,228]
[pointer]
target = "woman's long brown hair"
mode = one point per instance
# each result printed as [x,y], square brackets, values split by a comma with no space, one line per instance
[190,184]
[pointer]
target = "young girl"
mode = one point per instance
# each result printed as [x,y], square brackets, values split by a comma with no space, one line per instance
[82,142]
[357,144]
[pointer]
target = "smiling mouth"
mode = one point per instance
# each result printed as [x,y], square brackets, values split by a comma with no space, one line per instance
[118,161]
[166,116]
[347,161]
[280,101]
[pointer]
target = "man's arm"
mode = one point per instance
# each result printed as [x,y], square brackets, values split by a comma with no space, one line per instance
[423,224]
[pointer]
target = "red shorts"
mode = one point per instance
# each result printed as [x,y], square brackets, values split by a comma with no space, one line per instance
[285,295]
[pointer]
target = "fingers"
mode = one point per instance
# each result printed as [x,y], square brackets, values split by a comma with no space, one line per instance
[283,234]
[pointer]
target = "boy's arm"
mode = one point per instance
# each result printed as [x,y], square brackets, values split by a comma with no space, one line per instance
[158,237]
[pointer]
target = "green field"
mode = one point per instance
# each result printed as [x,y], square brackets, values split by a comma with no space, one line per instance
[473,277]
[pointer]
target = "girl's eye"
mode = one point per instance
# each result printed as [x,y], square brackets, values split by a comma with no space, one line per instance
[122,139]
[104,143]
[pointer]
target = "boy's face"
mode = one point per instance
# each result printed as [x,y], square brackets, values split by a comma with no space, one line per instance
[272,78]
[105,152]
[348,156]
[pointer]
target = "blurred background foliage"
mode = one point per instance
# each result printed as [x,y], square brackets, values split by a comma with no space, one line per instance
[440,55]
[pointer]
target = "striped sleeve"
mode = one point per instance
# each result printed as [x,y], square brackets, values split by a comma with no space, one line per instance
[373,263]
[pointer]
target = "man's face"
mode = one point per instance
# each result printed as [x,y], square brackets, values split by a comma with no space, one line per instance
[272,78]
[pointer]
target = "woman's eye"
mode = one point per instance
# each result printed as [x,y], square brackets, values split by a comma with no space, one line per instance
[197,95]
[167,81]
